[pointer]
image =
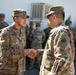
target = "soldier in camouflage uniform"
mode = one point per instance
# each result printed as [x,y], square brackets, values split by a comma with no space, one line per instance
[2,22]
[58,56]
[37,37]
[12,52]
[28,41]
[30,29]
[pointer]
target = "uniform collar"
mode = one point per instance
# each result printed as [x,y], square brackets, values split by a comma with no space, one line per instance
[60,24]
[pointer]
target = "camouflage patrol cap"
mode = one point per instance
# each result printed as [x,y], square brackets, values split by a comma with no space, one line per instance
[37,24]
[56,9]
[2,15]
[19,12]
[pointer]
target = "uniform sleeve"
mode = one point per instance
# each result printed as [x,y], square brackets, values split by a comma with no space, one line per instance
[61,52]
[7,24]
[7,51]
[40,52]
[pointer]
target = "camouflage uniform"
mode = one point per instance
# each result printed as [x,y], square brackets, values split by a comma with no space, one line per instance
[37,37]
[69,24]
[12,61]
[3,24]
[58,56]
[75,38]
[28,37]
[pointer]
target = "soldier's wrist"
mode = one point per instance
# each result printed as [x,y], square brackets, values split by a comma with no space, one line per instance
[25,52]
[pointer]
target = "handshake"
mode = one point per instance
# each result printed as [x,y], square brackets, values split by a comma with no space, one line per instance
[30,53]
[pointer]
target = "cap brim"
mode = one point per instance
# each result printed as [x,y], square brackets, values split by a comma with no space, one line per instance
[24,16]
[51,12]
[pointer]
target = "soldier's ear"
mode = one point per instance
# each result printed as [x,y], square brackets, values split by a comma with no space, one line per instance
[54,16]
[15,18]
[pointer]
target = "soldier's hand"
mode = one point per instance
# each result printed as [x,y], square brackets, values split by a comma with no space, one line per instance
[32,53]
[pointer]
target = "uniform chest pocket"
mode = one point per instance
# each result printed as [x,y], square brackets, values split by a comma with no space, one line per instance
[14,41]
